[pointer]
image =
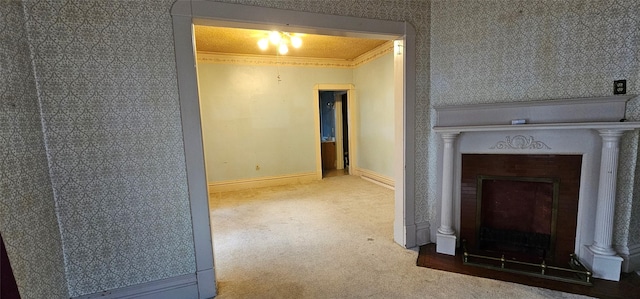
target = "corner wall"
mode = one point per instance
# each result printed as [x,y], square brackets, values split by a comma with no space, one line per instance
[374,87]
[28,221]
[106,78]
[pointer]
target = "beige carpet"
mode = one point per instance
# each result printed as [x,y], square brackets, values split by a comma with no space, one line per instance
[329,239]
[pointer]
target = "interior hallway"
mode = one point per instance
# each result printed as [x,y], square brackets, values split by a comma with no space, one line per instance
[329,239]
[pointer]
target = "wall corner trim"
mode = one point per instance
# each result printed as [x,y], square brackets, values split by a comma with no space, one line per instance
[181,8]
[207,287]
[411,233]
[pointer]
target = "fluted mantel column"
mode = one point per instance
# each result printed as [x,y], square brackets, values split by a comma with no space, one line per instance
[605,207]
[601,257]
[446,239]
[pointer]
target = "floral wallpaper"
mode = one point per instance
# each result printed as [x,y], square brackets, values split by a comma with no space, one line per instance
[106,88]
[106,78]
[506,50]
[28,221]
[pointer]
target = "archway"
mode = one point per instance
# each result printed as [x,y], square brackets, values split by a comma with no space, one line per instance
[187,13]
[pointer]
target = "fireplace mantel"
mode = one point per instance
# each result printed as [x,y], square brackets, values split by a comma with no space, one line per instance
[592,128]
[621,126]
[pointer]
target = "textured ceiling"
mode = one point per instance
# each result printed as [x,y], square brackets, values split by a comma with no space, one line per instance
[245,41]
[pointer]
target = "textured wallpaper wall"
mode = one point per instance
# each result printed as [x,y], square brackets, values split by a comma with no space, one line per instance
[106,82]
[502,51]
[27,217]
[106,78]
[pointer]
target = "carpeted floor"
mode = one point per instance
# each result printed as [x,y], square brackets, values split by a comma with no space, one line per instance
[329,239]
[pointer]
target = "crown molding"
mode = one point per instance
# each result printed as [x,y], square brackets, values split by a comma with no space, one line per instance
[381,50]
[267,60]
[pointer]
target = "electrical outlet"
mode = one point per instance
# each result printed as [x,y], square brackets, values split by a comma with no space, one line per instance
[257,167]
[620,87]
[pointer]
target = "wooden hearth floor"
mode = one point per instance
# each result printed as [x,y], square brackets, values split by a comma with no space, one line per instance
[627,287]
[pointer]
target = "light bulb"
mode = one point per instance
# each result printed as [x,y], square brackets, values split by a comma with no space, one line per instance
[274,37]
[283,49]
[263,44]
[296,41]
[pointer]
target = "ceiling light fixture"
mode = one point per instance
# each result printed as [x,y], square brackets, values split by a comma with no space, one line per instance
[281,40]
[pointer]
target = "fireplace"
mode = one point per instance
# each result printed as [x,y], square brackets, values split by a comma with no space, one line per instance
[517,215]
[523,206]
[566,154]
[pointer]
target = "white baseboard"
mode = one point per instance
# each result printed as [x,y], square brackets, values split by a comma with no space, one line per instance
[183,286]
[375,178]
[631,256]
[244,184]
[423,233]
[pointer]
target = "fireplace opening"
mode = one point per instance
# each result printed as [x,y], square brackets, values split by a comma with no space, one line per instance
[524,207]
[517,215]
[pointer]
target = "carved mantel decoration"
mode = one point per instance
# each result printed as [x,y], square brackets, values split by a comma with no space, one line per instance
[520,142]
[589,127]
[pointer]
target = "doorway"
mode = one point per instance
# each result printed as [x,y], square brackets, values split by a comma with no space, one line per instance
[187,13]
[334,132]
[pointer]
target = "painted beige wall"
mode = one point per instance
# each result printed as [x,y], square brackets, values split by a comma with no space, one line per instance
[250,119]
[257,126]
[374,86]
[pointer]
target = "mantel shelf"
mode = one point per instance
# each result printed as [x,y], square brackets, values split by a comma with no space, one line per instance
[620,126]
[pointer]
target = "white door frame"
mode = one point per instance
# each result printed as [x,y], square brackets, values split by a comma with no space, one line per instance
[339,121]
[351,120]
[186,13]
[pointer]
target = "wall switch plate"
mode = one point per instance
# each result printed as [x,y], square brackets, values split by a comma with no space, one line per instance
[620,87]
